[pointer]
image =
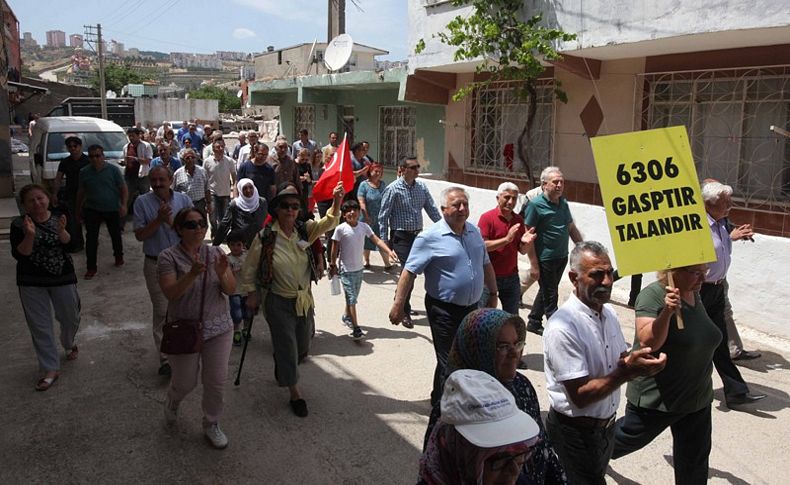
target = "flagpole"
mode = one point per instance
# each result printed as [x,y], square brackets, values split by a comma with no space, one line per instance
[343,155]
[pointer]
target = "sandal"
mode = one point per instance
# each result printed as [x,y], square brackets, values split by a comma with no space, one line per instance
[46,382]
[75,352]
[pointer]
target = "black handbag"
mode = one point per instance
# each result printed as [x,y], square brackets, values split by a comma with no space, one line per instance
[186,336]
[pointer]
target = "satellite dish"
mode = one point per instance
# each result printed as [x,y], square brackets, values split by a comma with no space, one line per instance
[338,52]
[238,95]
[110,94]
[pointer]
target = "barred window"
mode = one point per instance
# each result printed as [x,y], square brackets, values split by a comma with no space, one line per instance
[397,133]
[497,117]
[304,119]
[728,115]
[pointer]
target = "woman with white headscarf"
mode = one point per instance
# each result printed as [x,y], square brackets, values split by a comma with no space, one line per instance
[246,213]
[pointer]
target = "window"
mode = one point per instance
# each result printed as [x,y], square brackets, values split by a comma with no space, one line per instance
[497,117]
[304,119]
[396,133]
[728,115]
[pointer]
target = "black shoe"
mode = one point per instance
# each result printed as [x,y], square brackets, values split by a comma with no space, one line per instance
[164,369]
[747,355]
[536,329]
[746,398]
[407,323]
[299,407]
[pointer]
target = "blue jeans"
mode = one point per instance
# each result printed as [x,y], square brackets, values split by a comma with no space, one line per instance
[219,205]
[546,300]
[238,309]
[509,288]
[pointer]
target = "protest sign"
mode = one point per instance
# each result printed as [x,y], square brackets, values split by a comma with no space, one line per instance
[651,194]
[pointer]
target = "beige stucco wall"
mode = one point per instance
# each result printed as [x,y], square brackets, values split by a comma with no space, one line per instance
[615,94]
[266,65]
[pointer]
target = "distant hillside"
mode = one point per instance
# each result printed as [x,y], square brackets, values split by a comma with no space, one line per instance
[155,54]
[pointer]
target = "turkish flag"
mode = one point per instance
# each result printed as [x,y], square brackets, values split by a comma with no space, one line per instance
[339,168]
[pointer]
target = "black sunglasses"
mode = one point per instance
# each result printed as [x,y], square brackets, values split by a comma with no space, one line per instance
[290,205]
[192,225]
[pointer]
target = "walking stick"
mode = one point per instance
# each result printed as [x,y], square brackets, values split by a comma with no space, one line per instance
[244,351]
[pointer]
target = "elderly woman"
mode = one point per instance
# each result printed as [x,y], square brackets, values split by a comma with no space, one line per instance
[46,279]
[369,196]
[282,264]
[492,340]
[680,396]
[246,213]
[482,438]
[184,271]
[169,139]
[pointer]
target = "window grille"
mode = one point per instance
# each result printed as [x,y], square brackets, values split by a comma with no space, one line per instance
[728,114]
[497,117]
[304,119]
[397,133]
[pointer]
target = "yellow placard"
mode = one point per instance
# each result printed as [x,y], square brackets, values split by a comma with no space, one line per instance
[652,197]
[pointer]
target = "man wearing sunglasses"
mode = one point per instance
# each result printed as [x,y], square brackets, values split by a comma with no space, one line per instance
[66,195]
[400,217]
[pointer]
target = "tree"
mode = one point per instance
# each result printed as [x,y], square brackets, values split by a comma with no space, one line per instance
[227,99]
[511,49]
[116,76]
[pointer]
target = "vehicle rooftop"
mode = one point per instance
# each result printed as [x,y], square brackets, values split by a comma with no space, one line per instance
[72,123]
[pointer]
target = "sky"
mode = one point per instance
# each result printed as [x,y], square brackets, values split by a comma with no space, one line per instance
[205,26]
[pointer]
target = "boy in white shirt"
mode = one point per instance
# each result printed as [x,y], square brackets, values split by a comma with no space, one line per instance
[349,244]
[238,309]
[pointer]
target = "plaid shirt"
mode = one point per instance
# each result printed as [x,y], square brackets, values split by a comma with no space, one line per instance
[402,205]
[195,186]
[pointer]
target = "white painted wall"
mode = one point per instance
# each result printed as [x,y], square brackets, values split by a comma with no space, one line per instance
[156,110]
[603,23]
[758,281]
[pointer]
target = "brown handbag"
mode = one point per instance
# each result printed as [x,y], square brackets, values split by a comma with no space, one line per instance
[186,336]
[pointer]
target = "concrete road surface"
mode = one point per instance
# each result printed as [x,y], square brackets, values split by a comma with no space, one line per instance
[102,421]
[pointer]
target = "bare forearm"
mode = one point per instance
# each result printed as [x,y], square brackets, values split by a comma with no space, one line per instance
[652,332]
[405,285]
[599,388]
[148,230]
[495,244]
[176,290]
[25,248]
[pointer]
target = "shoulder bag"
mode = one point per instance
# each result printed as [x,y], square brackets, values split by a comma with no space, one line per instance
[186,336]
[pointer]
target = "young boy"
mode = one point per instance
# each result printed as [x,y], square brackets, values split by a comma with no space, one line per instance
[349,239]
[238,309]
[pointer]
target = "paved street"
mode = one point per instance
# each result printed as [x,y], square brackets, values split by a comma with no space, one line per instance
[102,421]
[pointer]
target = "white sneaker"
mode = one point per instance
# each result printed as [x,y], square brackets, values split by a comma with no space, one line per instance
[170,411]
[216,436]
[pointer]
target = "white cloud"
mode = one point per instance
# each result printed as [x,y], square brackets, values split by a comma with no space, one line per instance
[242,33]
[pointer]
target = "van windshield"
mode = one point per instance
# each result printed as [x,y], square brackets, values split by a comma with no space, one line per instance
[111,141]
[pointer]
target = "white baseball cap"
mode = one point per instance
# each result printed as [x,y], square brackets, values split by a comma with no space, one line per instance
[483,411]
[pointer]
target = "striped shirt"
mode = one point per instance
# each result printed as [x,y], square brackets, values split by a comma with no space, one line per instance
[195,186]
[402,205]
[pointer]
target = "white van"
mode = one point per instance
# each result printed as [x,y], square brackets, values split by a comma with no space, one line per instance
[48,143]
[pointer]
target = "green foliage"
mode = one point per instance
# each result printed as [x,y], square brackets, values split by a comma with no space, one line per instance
[227,99]
[511,48]
[116,76]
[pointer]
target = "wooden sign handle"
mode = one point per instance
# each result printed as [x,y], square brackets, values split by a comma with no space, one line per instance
[678,315]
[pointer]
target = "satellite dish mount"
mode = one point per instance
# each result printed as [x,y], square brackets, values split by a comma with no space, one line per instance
[338,52]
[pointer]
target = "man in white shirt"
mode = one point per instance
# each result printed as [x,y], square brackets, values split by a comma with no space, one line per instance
[586,360]
[244,153]
[221,174]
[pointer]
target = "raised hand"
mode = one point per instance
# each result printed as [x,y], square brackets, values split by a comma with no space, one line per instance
[221,265]
[672,299]
[642,363]
[165,213]
[29,226]
[511,233]
[529,236]
[198,266]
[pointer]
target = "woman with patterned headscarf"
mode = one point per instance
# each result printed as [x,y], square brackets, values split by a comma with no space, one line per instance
[491,340]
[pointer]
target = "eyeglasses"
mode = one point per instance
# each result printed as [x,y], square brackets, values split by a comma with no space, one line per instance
[498,462]
[507,347]
[189,158]
[698,273]
[294,206]
[413,167]
[192,225]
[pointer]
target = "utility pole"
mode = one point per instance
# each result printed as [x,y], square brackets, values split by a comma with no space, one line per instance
[93,36]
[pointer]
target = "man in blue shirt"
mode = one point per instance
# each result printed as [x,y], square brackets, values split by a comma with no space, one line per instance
[453,256]
[400,217]
[194,137]
[166,159]
[718,202]
[304,141]
[153,225]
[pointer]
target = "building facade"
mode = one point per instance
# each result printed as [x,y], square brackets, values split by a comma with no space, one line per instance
[296,61]
[722,69]
[56,38]
[75,40]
